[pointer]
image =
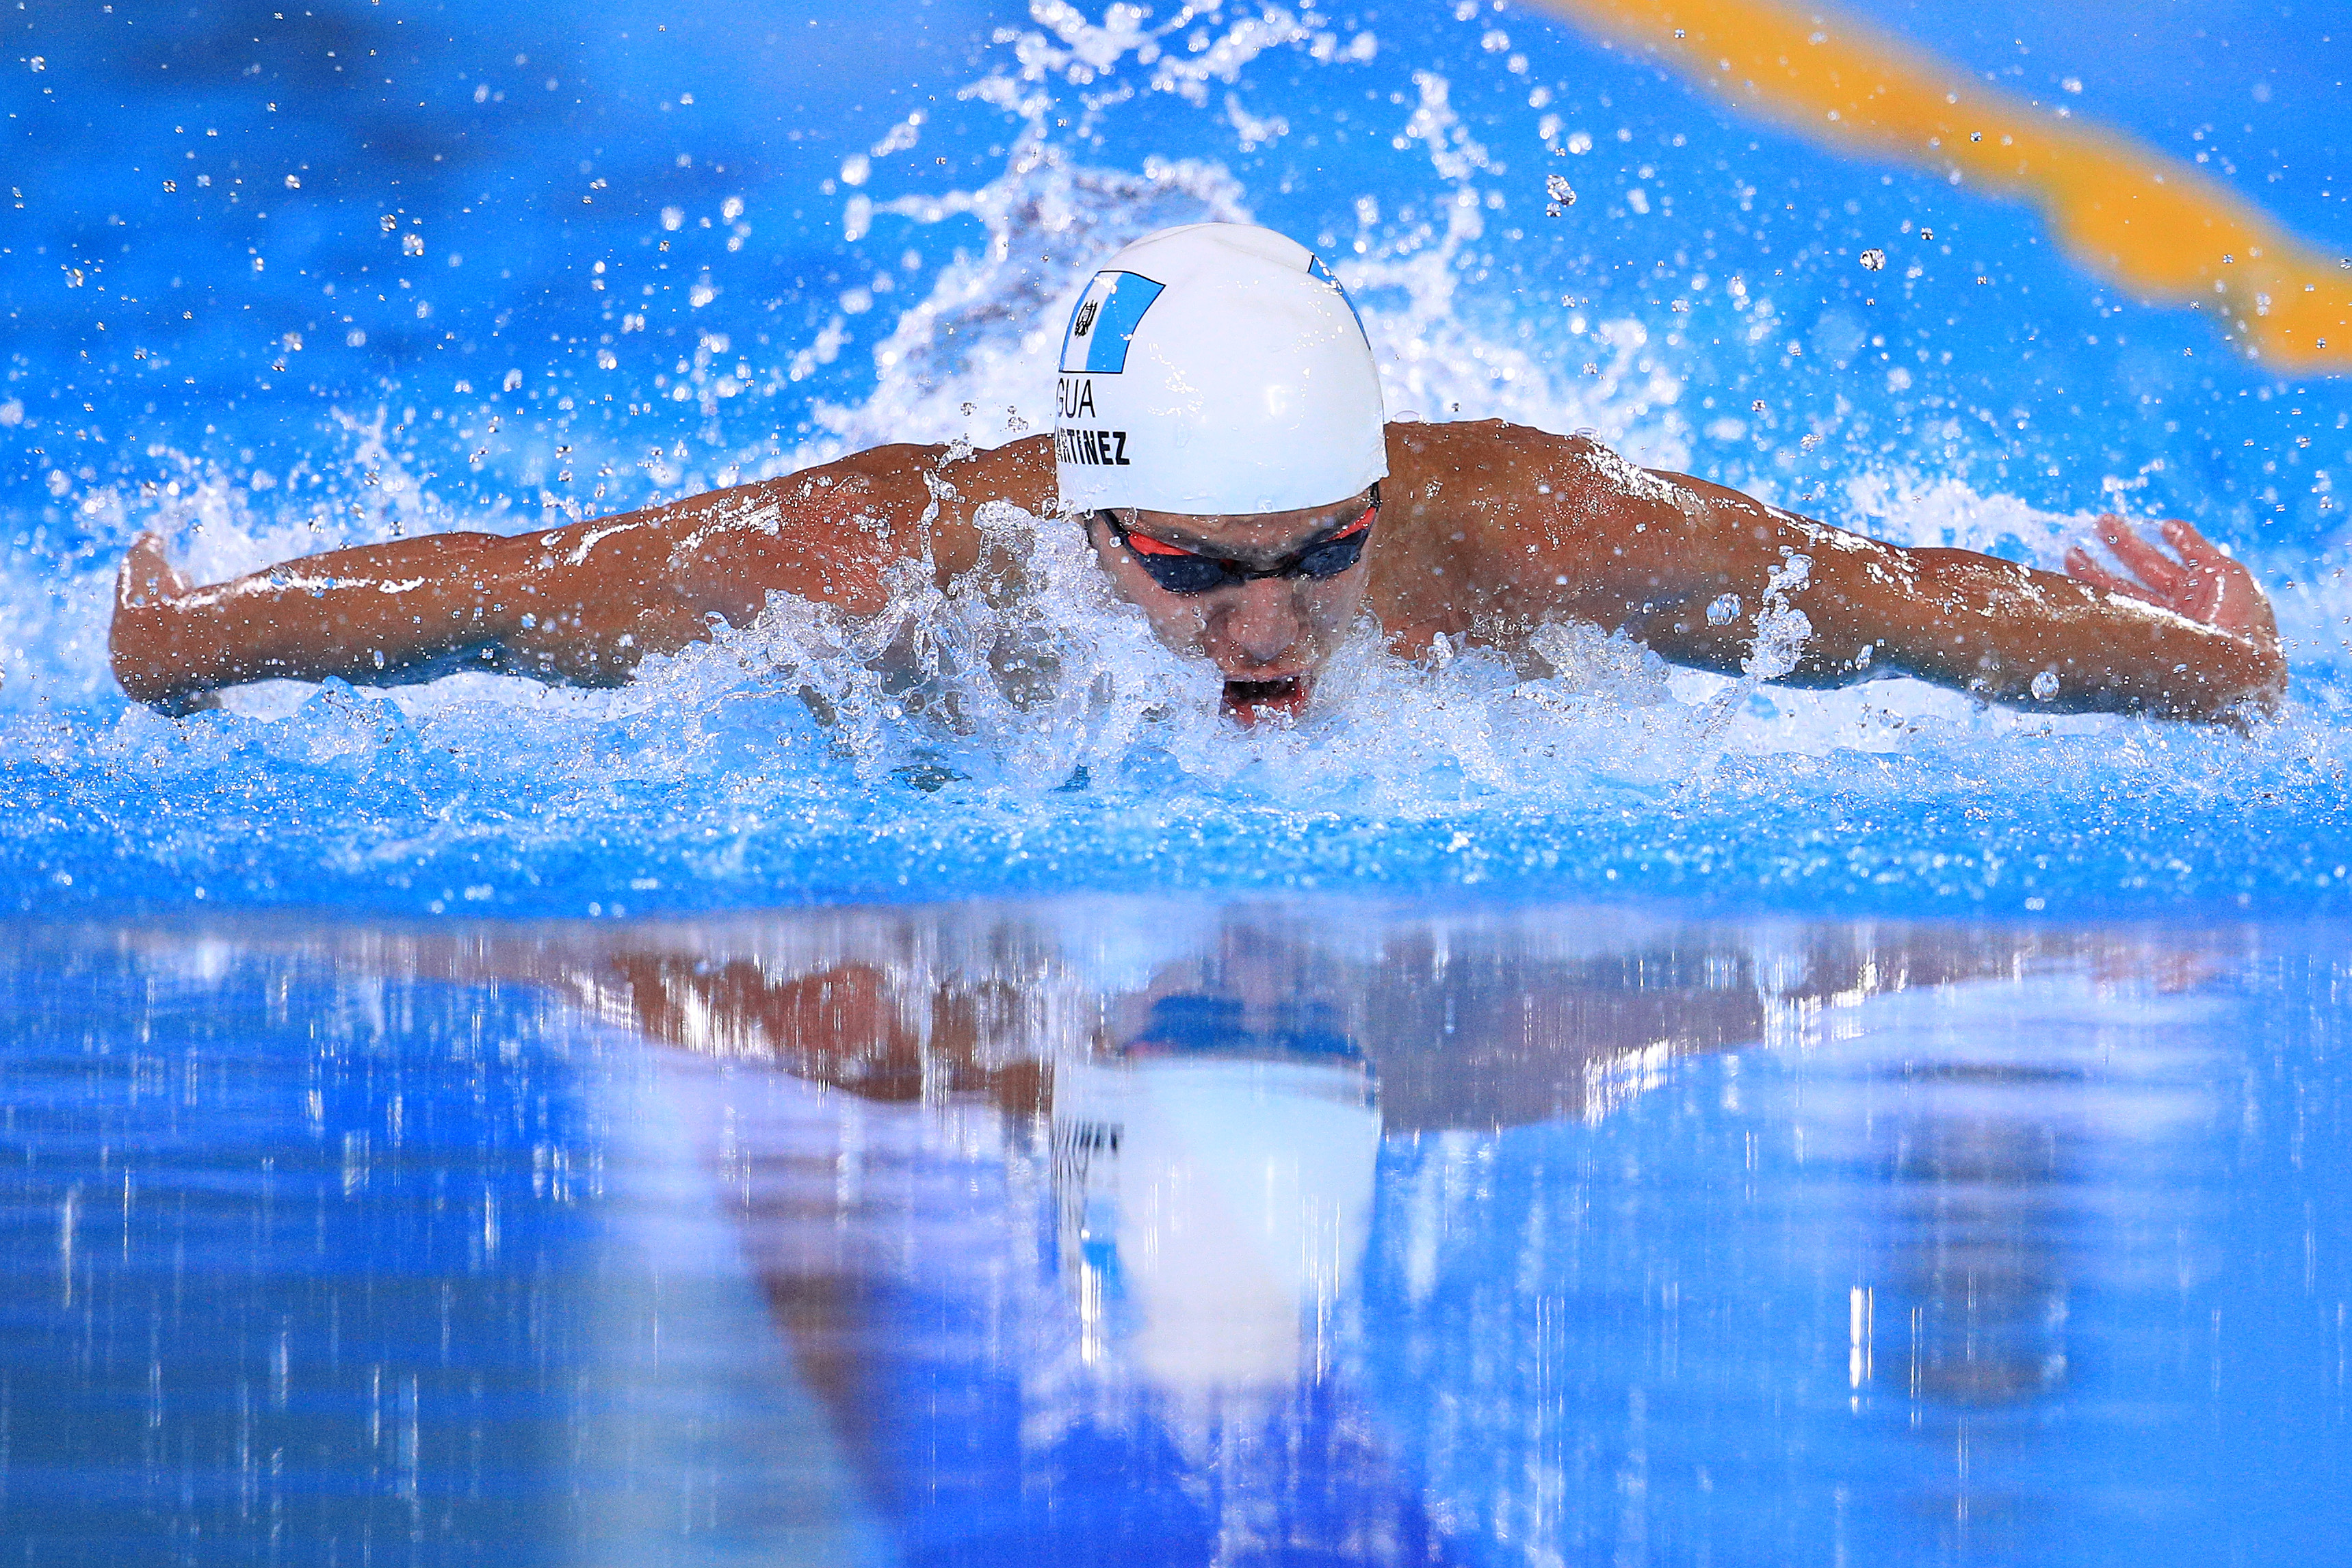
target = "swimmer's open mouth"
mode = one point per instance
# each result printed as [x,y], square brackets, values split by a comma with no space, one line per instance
[1251,700]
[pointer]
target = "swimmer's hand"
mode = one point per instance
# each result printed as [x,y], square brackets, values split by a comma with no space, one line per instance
[147,591]
[2203,585]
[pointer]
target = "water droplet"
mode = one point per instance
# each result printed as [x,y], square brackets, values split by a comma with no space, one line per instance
[2045,685]
[1873,259]
[1557,187]
[1724,610]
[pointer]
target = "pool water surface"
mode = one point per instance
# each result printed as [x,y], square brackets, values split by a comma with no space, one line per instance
[1142,1231]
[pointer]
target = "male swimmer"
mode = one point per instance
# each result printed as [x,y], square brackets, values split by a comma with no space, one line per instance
[1221,439]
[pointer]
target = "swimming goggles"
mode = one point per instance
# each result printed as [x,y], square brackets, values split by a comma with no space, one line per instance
[1188,571]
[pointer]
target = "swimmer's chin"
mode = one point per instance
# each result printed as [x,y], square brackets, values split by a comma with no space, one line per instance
[1249,702]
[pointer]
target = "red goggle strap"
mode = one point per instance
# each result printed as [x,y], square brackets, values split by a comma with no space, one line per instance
[1144,544]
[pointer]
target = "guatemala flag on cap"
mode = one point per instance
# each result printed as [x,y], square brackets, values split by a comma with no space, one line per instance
[1105,321]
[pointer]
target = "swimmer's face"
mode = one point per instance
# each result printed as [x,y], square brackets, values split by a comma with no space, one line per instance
[1268,637]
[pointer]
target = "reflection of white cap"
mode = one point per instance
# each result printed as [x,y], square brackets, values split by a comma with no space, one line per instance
[1216,368]
[1207,1206]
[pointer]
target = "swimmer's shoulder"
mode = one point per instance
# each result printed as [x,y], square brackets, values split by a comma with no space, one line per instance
[1490,476]
[961,477]
[924,494]
[1493,451]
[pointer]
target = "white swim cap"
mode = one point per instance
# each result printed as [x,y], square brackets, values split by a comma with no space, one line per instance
[1216,368]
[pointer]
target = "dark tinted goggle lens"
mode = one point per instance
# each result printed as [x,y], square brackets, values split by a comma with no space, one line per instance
[1334,556]
[1183,573]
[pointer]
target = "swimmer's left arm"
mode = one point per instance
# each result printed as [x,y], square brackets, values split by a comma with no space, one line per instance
[1698,570]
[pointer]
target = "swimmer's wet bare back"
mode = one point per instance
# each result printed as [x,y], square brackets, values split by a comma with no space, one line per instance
[1484,533]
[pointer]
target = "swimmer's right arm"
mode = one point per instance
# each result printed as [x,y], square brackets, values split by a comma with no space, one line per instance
[582,605]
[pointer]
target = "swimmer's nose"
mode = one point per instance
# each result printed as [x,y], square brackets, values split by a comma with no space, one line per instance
[1262,624]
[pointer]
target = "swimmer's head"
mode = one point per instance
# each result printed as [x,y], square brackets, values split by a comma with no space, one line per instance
[1218,399]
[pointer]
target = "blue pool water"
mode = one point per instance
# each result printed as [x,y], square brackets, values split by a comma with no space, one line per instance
[1146,1231]
[1623,1116]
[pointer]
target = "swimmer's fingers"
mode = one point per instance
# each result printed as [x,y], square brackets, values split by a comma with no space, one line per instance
[2227,594]
[2142,560]
[2199,554]
[2083,568]
[2193,546]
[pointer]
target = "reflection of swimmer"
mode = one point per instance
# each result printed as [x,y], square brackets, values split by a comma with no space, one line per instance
[1181,1363]
[1220,438]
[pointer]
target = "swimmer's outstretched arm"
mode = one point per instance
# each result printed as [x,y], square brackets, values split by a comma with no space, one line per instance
[2187,637]
[1689,567]
[583,603]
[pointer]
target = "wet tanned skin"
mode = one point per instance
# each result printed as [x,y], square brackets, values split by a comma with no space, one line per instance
[1487,531]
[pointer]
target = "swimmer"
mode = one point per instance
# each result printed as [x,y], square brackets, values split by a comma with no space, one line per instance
[1220,438]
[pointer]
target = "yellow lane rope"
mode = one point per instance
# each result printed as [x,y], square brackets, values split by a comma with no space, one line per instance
[2151,222]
